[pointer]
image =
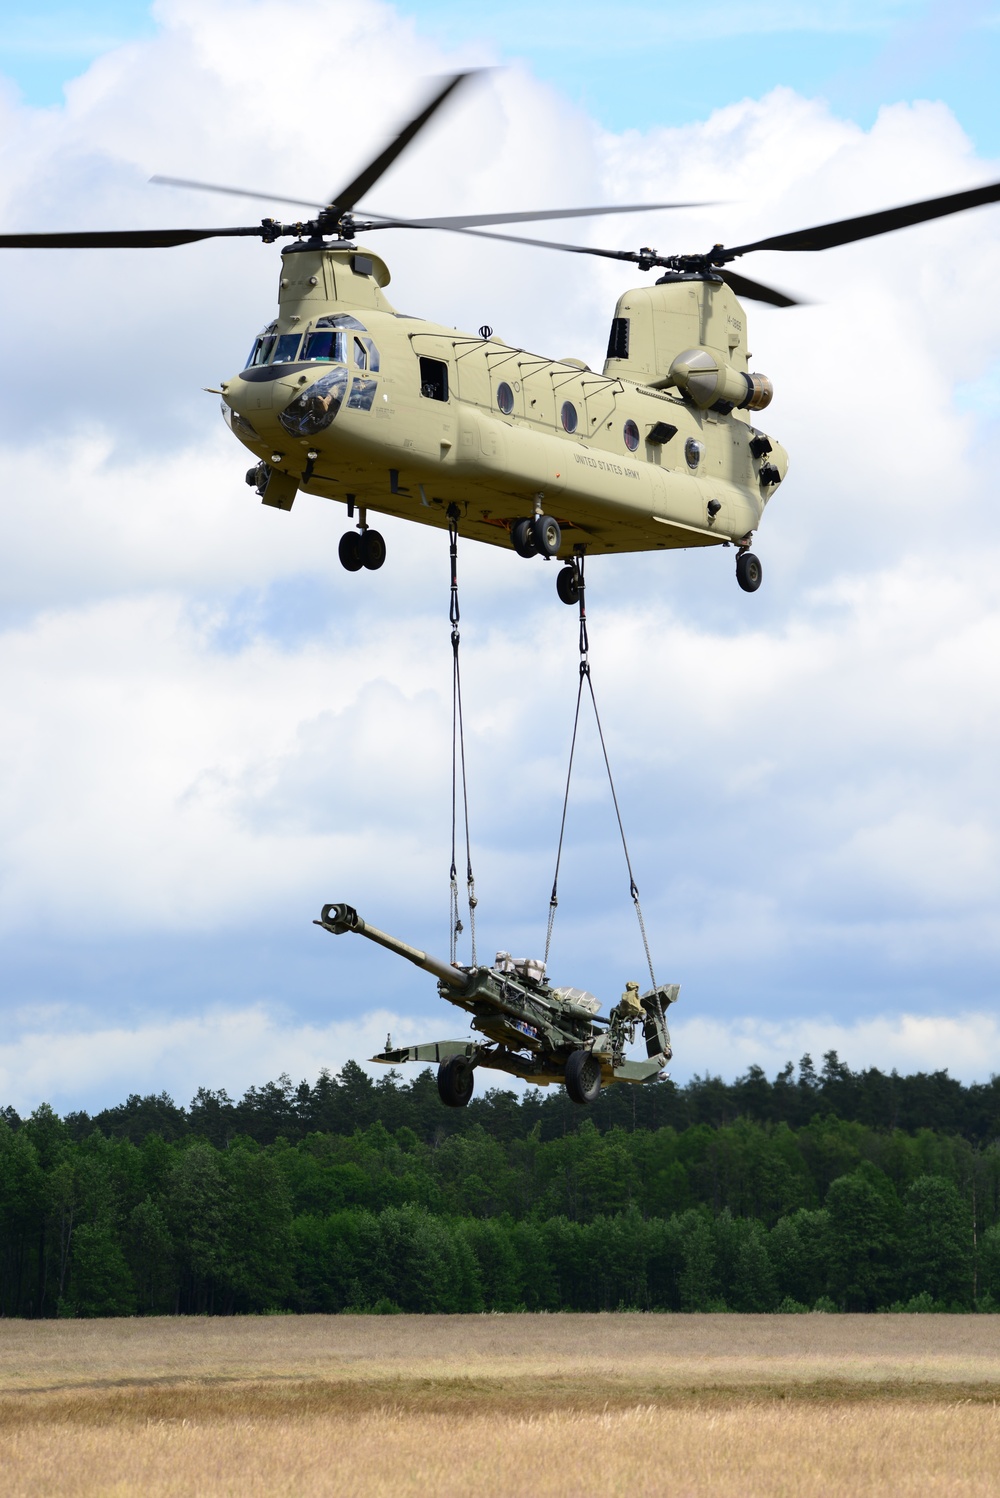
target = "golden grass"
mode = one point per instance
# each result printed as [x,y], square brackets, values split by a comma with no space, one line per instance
[543,1405]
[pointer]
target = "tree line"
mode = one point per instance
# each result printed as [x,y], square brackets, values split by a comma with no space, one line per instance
[354,1195]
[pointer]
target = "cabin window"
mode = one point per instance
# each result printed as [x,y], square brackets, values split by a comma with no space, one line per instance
[434,379]
[631,436]
[618,342]
[286,348]
[326,347]
[569,417]
[505,398]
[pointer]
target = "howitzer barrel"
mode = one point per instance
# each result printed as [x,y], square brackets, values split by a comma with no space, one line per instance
[340,918]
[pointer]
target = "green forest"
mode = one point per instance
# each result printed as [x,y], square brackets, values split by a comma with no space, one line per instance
[825,1190]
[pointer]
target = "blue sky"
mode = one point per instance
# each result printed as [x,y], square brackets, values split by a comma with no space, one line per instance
[655,65]
[210,730]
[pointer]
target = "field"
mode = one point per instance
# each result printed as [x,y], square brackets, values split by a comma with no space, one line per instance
[532,1405]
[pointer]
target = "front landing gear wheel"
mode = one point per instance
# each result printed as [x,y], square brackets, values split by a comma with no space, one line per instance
[568,584]
[522,538]
[456,1079]
[749,572]
[350,551]
[372,550]
[583,1076]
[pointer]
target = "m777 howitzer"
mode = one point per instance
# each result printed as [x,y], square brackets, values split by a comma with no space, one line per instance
[530,1029]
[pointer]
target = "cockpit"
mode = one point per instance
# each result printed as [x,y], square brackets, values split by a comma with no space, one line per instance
[338,339]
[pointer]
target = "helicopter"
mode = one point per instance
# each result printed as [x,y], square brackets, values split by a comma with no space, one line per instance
[346,398]
[517,1011]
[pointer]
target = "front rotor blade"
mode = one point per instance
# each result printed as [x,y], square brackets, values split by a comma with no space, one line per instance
[120,239]
[847,230]
[364,181]
[468,221]
[756,291]
[234,192]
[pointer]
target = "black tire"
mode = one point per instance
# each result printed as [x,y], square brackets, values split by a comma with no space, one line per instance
[372,550]
[456,1079]
[568,585]
[749,572]
[583,1076]
[548,535]
[522,538]
[350,551]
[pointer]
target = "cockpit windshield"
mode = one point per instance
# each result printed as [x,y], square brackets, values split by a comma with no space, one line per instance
[326,345]
[269,348]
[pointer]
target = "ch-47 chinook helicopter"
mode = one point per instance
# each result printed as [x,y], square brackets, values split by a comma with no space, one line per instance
[529,1029]
[346,398]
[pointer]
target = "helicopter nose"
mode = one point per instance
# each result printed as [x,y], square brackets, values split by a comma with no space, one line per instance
[312,409]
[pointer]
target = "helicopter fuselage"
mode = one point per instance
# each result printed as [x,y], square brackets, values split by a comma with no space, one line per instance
[347,399]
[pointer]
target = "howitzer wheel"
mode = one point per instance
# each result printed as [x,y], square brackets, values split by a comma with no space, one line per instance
[456,1079]
[583,1076]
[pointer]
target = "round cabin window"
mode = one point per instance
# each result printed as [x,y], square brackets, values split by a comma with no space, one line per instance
[505,398]
[631,436]
[693,450]
[569,416]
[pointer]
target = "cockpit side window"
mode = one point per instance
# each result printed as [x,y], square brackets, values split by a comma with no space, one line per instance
[262,346]
[286,348]
[372,355]
[326,346]
[360,354]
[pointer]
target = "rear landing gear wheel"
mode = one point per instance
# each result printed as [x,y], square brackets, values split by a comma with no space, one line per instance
[583,1076]
[749,572]
[350,551]
[522,538]
[568,584]
[372,550]
[548,535]
[456,1079]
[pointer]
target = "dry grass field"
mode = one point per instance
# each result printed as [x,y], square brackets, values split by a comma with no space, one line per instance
[521,1405]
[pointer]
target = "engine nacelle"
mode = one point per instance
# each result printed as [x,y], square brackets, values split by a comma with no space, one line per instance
[709,381]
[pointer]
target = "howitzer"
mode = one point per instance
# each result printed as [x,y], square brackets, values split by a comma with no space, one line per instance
[530,1029]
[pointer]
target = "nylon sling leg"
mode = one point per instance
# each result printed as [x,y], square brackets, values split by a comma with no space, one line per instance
[458,761]
[585,676]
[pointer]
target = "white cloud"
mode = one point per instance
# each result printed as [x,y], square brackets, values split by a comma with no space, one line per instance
[230,1049]
[965,1044]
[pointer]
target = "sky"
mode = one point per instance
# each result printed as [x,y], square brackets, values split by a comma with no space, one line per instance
[211,729]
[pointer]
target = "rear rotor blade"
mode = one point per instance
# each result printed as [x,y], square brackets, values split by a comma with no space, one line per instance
[847,230]
[121,239]
[346,198]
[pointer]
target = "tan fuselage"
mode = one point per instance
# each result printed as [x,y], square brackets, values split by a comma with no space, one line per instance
[431,426]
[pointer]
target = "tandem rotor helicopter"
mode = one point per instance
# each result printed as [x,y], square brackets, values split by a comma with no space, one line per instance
[348,399]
